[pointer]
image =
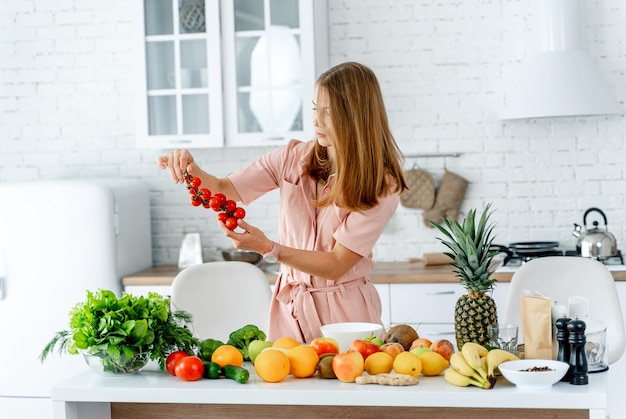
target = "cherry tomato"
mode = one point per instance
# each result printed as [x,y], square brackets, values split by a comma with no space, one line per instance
[191,190]
[188,179]
[222,216]
[205,193]
[222,198]
[189,368]
[196,200]
[172,359]
[231,223]
[230,205]
[239,213]
[216,203]
[195,182]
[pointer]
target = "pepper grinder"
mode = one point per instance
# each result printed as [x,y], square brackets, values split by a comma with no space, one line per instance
[562,337]
[578,358]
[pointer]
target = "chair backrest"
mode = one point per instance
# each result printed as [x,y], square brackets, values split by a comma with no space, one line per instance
[561,277]
[222,297]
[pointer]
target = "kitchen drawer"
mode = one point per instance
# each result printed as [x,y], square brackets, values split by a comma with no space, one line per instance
[423,303]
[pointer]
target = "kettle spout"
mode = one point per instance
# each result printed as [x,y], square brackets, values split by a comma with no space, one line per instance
[577,230]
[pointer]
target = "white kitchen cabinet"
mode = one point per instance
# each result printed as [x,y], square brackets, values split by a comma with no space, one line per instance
[228,73]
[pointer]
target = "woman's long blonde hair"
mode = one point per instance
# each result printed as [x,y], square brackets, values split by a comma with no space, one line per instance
[368,162]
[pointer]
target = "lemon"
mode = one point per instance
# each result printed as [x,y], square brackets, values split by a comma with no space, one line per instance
[433,363]
[407,363]
[378,363]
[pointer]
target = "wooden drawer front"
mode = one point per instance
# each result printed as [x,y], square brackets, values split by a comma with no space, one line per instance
[420,303]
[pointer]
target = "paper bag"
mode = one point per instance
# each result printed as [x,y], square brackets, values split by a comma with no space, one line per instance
[536,314]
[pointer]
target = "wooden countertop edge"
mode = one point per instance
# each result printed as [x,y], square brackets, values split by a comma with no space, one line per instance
[383,273]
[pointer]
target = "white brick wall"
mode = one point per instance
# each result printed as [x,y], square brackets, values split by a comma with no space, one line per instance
[66,110]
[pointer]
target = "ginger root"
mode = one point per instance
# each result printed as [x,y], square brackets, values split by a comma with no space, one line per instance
[388,379]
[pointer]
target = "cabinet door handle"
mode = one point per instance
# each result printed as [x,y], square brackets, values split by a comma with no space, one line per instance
[439,292]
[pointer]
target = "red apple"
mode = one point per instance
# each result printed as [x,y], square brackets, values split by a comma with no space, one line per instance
[325,346]
[374,339]
[364,347]
[443,347]
[392,348]
[347,366]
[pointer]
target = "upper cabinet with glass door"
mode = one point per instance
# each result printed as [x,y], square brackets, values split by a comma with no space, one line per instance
[273,51]
[229,72]
[181,89]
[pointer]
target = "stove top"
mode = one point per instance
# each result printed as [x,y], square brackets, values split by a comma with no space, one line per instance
[516,260]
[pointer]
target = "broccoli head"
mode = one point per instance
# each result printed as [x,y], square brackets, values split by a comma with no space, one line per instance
[241,338]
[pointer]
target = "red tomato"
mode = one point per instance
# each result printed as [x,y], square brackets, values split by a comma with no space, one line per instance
[172,359]
[195,182]
[206,193]
[230,205]
[222,216]
[196,201]
[239,213]
[216,203]
[231,223]
[222,198]
[189,368]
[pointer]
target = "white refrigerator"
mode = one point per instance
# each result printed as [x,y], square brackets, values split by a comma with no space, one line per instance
[59,239]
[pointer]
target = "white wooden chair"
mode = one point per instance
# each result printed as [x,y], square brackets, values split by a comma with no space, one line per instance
[561,277]
[222,297]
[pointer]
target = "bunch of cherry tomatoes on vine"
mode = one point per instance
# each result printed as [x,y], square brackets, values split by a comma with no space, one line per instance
[228,210]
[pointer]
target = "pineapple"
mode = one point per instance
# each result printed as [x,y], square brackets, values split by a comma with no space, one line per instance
[470,246]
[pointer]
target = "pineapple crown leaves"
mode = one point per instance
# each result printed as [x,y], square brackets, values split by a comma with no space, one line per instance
[470,245]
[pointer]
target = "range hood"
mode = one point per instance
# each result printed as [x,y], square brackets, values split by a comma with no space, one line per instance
[559,79]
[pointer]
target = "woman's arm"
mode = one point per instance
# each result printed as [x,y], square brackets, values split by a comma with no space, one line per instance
[179,161]
[330,265]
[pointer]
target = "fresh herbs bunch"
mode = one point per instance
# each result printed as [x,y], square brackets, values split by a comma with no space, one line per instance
[116,329]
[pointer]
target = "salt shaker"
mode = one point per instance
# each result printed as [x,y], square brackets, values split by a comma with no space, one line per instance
[562,337]
[578,358]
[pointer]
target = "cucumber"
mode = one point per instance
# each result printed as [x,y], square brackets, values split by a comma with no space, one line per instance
[211,370]
[238,374]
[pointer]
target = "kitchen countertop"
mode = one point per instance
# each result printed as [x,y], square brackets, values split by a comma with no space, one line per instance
[143,395]
[383,273]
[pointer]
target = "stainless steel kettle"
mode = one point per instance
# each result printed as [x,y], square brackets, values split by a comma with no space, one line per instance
[596,242]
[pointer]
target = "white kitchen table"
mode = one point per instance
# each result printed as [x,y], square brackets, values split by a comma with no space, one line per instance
[155,394]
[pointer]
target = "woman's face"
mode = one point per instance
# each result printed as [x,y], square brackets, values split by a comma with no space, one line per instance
[322,120]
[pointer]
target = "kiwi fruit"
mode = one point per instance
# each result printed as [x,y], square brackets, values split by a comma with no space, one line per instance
[325,366]
[403,334]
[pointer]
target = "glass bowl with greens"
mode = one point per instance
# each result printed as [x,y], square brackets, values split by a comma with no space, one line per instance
[120,335]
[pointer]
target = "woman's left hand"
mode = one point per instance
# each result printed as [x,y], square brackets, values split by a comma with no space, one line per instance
[251,238]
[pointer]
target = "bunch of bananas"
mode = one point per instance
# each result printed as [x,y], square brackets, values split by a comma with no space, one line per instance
[474,365]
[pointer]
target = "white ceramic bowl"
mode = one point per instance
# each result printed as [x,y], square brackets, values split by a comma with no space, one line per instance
[517,373]
[348,332]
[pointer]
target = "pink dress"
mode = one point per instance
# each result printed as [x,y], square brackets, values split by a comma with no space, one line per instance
[302,303]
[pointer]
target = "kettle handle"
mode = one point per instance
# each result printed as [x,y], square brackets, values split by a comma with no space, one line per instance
[591,210]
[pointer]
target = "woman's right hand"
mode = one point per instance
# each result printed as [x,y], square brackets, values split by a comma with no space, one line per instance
[177,161]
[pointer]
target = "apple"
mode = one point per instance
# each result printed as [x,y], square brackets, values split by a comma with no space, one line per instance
[363,347]
[443,347]
[420,350]
[392,348]
[256,346]
[325,346]
[347,366]
[378,341]
[421,342]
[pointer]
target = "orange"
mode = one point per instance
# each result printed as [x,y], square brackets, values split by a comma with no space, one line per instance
[272,365]
[378,363]
[227,355]
[407,363]
[285,342]
[303,360]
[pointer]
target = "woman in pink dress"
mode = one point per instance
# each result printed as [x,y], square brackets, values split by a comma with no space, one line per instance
[337,193]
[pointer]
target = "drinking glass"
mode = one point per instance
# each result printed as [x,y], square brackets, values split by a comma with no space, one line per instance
[503,336]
